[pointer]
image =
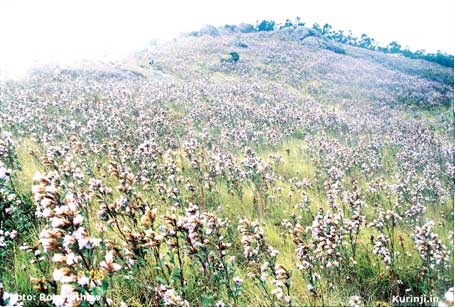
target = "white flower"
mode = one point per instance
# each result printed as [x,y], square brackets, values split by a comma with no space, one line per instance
[82,239]
[63,275]
[71,258]
[108,263]
[67,290]
[449,295]
[278,292]
[3,172]
[91,299]
[237,280]
[355,301]
[219,304]
[273,252]
[51,189]
[57,275]
[58,222]
[46,212]
[11,299]
[68,240]
[13,234]
[78,220]
[37,177]
[58,258]
[83,280]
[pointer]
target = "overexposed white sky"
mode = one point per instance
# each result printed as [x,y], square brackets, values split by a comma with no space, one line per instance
[62,31]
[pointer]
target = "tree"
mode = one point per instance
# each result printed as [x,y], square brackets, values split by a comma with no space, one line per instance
[394,47]
[231,28]
[287,24]
[420,53]
[350,39]
[367,42]
[316,27]
[298,22]
[339,36]
[326,29]
[408,53]
[266,25]
[440,58]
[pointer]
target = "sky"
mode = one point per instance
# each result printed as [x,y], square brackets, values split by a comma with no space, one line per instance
[64,31]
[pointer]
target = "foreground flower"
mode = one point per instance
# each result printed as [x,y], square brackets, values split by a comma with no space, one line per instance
[4,174]
[355,301]
[170,297]
[108,263]
[448,299]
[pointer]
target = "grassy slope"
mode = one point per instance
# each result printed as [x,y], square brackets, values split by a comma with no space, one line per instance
[296,164]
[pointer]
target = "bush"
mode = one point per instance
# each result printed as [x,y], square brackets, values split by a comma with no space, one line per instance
[287,24]
[209,30]
[335,49]
[234,58]
[231,28]
[194,33]
[246,28]
[242,45]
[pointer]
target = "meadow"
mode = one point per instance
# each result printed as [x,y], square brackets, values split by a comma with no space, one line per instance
[296,176]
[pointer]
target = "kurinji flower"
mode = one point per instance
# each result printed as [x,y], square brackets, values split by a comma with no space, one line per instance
[355,301]
[11,299]
[78,220]
[64,275]
[83,280]
[448,296]
[448,299]
[310,288]
[59,258]
[4,174]
[220,304]
[170,297]
[381,249]
[238,281]
[430,248]
[108,263]
[58,222]
[278,292]
[68,296]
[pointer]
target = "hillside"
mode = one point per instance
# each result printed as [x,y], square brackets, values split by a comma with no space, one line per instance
[298,175]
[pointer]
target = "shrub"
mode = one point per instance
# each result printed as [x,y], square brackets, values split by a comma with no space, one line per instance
[287,24]
[242,45]
[234,58]
[231,28]
[335,49]
[209,30]
[194,33]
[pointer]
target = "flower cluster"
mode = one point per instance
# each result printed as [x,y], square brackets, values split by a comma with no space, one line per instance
[430,248]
